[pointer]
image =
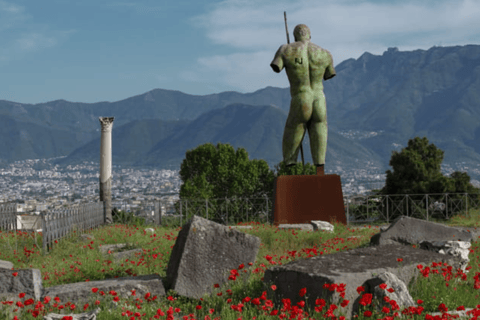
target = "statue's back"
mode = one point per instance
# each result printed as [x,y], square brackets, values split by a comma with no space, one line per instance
[308,73]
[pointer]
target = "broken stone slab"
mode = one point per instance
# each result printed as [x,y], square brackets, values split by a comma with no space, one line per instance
[463,314]
[151,230]
[119,256]
[81,292]
[299,226]
[92,315]
[314,225]
[400,293]
[408,230]
[28,281]
[6,264]
[454,248]
[352,267]
[241,227]
[128,254]
[322,225]
[384,228]
[204,254]
[111,247]
[87,237]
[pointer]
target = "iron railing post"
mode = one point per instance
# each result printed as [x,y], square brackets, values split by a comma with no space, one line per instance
[427,207]
[446,206]
[466,206]
[388,217]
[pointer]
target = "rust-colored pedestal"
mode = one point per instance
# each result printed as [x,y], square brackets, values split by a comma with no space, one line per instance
[300,199]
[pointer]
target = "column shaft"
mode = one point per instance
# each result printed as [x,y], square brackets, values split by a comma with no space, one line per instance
[106,167]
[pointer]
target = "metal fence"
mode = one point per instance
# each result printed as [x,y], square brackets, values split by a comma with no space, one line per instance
[422,206]
[8,216]
[61,223]
[358,208]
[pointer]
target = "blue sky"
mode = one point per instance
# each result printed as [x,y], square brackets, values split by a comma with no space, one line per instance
[110,50]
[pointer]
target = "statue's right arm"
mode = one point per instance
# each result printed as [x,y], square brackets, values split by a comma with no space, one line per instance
[277,63]
[330,70]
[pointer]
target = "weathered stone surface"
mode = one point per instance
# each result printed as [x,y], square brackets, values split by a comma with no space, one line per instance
[408,230]
[400,293]
[119,256]
[204,254]
[353,268]
[384,228]
[301,226]
[28,281]
[151,230]
[111,247]
[314,225]
[81,292]
[322,226]
[87,237]
[128,254]
[6,264]
[454,248]
[92,315]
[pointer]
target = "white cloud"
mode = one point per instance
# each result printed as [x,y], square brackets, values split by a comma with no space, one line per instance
[32,36]
[346,28]
[11,15]
[34,40]
[4,6]
[143,77]
[139,7]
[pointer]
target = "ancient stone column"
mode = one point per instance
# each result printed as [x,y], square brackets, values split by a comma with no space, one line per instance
[106,167]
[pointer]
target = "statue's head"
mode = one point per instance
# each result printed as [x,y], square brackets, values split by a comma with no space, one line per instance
[301,32]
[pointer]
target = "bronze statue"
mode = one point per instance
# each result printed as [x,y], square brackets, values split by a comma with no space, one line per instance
[306,64]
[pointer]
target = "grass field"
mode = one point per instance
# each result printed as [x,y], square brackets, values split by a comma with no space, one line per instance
[72,260]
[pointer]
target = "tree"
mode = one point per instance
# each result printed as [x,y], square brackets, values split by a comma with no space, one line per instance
[417,171]
[210,172]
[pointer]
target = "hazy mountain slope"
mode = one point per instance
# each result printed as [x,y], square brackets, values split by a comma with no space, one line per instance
[391,97]
[20,140]
[129,142]
[257,129]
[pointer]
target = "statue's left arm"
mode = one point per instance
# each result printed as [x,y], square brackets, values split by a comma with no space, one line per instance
[277,63]
[330,70]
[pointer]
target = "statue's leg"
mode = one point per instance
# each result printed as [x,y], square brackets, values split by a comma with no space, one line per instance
[318,130]
[300,113]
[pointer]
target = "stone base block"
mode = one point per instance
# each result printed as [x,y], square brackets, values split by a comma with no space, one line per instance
[301,199]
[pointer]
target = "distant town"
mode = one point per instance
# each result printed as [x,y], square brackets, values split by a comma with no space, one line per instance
[53,186]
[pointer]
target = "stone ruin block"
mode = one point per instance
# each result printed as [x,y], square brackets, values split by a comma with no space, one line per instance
[408,230]
[28,281]
[203,255]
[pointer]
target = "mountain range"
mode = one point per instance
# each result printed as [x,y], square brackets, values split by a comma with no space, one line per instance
[375,104]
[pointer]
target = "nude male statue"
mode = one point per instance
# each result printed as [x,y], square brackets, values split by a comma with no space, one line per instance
[306,64]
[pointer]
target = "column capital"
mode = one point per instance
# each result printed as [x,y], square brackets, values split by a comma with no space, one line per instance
[107,123]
